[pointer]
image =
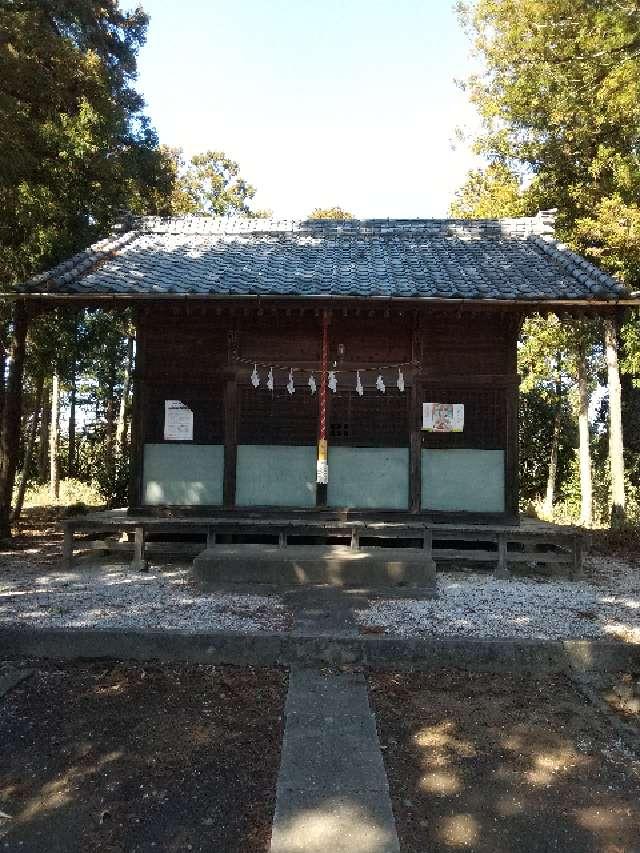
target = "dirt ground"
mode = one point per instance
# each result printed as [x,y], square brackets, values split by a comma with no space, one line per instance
[502,763]
[132,758]
[34,546]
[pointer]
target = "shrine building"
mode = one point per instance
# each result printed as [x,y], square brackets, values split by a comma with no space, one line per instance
[359,367]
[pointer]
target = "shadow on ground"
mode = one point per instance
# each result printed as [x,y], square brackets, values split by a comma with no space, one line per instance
[126,758]
[502,763]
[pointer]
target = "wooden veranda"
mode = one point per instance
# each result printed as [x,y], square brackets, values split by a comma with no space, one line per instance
[549,548]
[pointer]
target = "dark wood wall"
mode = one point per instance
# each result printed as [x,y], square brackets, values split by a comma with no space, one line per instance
[203,353]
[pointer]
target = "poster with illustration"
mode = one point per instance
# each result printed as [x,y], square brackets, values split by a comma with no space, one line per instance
[443,417]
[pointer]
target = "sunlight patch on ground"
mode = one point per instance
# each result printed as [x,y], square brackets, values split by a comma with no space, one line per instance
[327,827]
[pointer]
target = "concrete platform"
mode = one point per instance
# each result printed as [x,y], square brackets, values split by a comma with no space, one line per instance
[335,565]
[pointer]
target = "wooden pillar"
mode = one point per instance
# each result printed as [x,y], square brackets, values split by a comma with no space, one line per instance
[578,552]
[139,555]
[512,452]
[502,569]
[355,538]
[415,448]
[415,425]
[136,451]
[67,546]
[230,442]
[427,541]
[323,447]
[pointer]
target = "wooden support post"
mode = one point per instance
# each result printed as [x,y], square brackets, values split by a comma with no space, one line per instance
[502,569]
[427,541]
[211,537]
[415,456]
[355,539]
[67,546]
[282,539]
[139,558]
[415,426]
[230,442]
[578,553]
[138,404]
[512,454]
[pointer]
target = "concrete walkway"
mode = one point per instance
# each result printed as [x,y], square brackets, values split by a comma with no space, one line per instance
[332,790]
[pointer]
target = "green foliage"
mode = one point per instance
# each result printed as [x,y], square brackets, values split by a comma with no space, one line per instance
[537,413]
[76,152]
[550,349]
[75,146]
[560,97]
[211,184]
[330,213]
[491,193]
[72,493]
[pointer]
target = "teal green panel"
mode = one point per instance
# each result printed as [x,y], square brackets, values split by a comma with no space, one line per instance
[375,477]
[183,474]
[275,475]
[463,480]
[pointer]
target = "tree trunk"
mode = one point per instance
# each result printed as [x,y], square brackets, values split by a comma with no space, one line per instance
[586,488]
[11,412]
[71,454]
[28,450]
[553,464]
[43,447]
[121,429]
[3,370]
[54,485]
[552,474]
[110,432]
[71,449]
[616,445]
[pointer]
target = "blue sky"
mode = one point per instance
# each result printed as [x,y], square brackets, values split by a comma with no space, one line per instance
[322,103]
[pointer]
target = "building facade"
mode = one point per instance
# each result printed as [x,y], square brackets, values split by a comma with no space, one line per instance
[366,368]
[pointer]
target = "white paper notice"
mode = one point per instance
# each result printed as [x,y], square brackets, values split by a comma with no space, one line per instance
[443,417]
[322,472]
[178,421]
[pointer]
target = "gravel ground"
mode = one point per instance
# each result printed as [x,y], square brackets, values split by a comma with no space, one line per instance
[139,758]
[504,764]
[605,605]
[112,597]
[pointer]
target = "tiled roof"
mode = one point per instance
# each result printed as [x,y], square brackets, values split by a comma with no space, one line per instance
[515,259]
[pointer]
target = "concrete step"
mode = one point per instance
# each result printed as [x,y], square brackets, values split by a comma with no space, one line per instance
[336,565]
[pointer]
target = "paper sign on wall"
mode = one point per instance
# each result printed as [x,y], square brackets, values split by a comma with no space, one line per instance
[178,421]
[443,417]
[322,465]
[322,472]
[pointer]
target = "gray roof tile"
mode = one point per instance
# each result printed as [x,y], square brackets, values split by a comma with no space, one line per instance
[445,259]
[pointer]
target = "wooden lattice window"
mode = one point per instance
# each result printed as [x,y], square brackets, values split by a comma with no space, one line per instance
[205,401]
[373,420]
[485,418]
[277,417]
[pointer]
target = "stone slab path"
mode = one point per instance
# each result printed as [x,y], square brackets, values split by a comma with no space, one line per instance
[332,792]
